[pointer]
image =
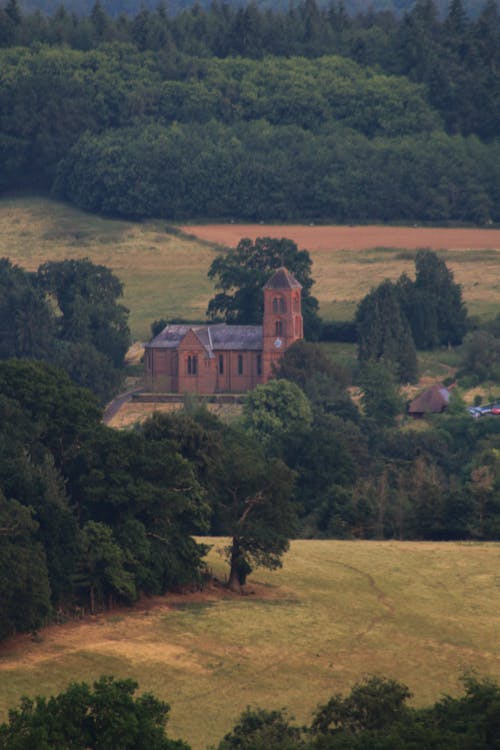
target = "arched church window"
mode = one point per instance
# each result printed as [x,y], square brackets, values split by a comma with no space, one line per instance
[192,364]
[282,304]
[279,328]
[275,304]
[296,303]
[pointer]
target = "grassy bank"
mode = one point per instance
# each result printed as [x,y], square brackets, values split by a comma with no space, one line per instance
[420,612]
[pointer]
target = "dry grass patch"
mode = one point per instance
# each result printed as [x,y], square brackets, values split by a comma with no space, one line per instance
[134,412]
[420,612]
[165,272]
[349,261]
[164,275]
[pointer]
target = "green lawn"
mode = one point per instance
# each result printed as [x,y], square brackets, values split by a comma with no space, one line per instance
[422,613]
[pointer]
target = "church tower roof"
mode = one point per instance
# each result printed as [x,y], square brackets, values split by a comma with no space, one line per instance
[282,279]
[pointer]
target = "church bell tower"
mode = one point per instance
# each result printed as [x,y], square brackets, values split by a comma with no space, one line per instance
[282,323]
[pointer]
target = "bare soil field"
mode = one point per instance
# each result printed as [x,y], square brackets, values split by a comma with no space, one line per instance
[331,238]
[422,613]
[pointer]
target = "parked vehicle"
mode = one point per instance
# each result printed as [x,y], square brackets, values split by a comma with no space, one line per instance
[481,411]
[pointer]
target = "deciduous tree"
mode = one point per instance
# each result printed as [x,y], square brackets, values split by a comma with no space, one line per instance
[242,273]
[253,506]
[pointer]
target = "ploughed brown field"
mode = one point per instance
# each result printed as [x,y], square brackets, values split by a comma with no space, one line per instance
[331,238]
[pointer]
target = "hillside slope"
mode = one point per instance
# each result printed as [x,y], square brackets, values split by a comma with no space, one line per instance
[422,613]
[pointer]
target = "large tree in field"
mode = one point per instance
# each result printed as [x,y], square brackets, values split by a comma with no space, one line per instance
[253,506]
[384,333]
[241,273]
[433,303]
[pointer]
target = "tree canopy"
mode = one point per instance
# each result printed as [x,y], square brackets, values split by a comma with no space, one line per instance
[67,313]
[384,333]
[241,274]
[255,113]
[105,716]
[433,303]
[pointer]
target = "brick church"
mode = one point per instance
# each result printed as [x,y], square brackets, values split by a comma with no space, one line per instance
[223,358]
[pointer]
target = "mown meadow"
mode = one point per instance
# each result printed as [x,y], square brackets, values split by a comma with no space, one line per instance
[423,613]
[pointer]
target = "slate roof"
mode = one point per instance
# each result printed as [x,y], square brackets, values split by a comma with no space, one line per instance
[217,337]
[431,401]
[282,279]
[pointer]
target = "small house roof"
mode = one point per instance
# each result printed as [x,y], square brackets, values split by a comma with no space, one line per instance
[282,279]
[431,401]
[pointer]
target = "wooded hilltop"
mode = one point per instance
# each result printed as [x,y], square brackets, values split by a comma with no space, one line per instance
[304,114]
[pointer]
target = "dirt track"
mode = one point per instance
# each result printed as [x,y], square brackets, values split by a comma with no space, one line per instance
[324,238]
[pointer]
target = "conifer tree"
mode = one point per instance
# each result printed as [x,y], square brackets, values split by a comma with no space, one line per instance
[384,333]
[433,304]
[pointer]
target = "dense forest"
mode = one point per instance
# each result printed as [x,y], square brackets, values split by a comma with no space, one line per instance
[257,114]
[116,8]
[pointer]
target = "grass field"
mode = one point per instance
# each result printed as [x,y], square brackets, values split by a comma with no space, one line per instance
[422,613]
[165,275]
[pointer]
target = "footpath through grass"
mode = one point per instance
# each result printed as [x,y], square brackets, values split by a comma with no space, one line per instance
[422,613]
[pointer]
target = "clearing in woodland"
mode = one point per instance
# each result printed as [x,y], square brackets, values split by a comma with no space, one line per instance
[422,613]
[165,272]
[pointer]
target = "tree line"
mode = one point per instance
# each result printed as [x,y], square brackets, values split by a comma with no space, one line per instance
[168,116]
[91,516]
[375,715]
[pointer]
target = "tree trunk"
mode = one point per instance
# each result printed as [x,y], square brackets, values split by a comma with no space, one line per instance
[234,579]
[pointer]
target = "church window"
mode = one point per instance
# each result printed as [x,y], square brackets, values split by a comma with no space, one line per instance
[192,364]
[282,304]
[240,364]
[275,305]
[221,364]
[296,303]
[279,328]
[259,364]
